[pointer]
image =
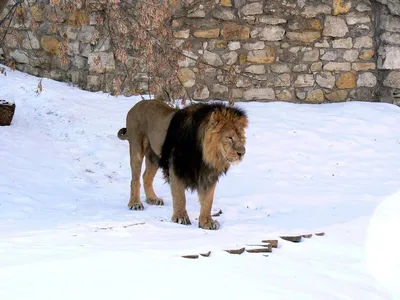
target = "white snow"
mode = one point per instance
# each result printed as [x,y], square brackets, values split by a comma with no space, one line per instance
[4,102]
[66,231]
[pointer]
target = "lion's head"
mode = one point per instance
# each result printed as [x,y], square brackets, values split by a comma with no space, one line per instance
[224,137]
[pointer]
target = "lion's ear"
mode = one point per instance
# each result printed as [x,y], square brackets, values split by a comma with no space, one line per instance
[215,118]
[243,122]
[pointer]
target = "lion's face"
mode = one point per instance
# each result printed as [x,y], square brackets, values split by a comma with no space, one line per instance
[224,141]
[233,143]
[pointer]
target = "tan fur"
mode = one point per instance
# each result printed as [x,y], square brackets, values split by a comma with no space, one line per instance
[206,198]
[180,214]
[218,151]
[146,127]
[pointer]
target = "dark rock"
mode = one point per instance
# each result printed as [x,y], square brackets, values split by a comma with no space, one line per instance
[295,238]
[236,251]
[207,254]
[273,243]
[366,94]
[260,249]
[217,214]
[7,109]
[191,256]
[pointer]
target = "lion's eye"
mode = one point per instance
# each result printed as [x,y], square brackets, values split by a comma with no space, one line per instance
[230,138]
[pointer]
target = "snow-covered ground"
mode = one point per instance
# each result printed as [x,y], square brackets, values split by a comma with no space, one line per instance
[66,231]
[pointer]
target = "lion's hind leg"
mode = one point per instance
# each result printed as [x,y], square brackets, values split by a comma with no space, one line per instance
[151,162]
[136,160]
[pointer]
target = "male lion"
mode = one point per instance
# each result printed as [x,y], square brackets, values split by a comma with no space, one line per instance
[193,146]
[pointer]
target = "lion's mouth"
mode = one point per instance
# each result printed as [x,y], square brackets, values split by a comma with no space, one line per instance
[232,160]
[229,159]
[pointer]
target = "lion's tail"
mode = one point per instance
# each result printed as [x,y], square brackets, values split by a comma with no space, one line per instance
[122,134]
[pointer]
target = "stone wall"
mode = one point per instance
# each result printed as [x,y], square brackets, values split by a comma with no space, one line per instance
[311,51]
[308,51]
[39,52]
[388,61]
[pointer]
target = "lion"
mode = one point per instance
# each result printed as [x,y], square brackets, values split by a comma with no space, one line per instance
[193,146]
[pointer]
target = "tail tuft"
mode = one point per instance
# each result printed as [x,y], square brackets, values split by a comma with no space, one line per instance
[122,134]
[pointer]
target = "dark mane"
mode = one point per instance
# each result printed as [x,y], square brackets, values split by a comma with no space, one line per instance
[182,147]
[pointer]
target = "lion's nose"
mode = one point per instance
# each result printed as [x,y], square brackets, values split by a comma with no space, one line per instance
[241,151]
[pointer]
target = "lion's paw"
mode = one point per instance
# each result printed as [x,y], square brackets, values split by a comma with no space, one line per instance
[155,201]
[209,225]
[135,205]
[181,219]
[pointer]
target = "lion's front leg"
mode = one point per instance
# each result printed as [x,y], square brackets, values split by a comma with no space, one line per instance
[180,214]
[206,197]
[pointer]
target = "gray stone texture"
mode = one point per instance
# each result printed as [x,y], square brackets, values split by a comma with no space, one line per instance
[390,57]
[350,55]
[335,27]
[271,33]
[366,79]
[20,56]
[259,94]
[314,10]
[224,13]
[255,8]
[101,62]
[212,58]
[326,80]
[393,5]
[392,80]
